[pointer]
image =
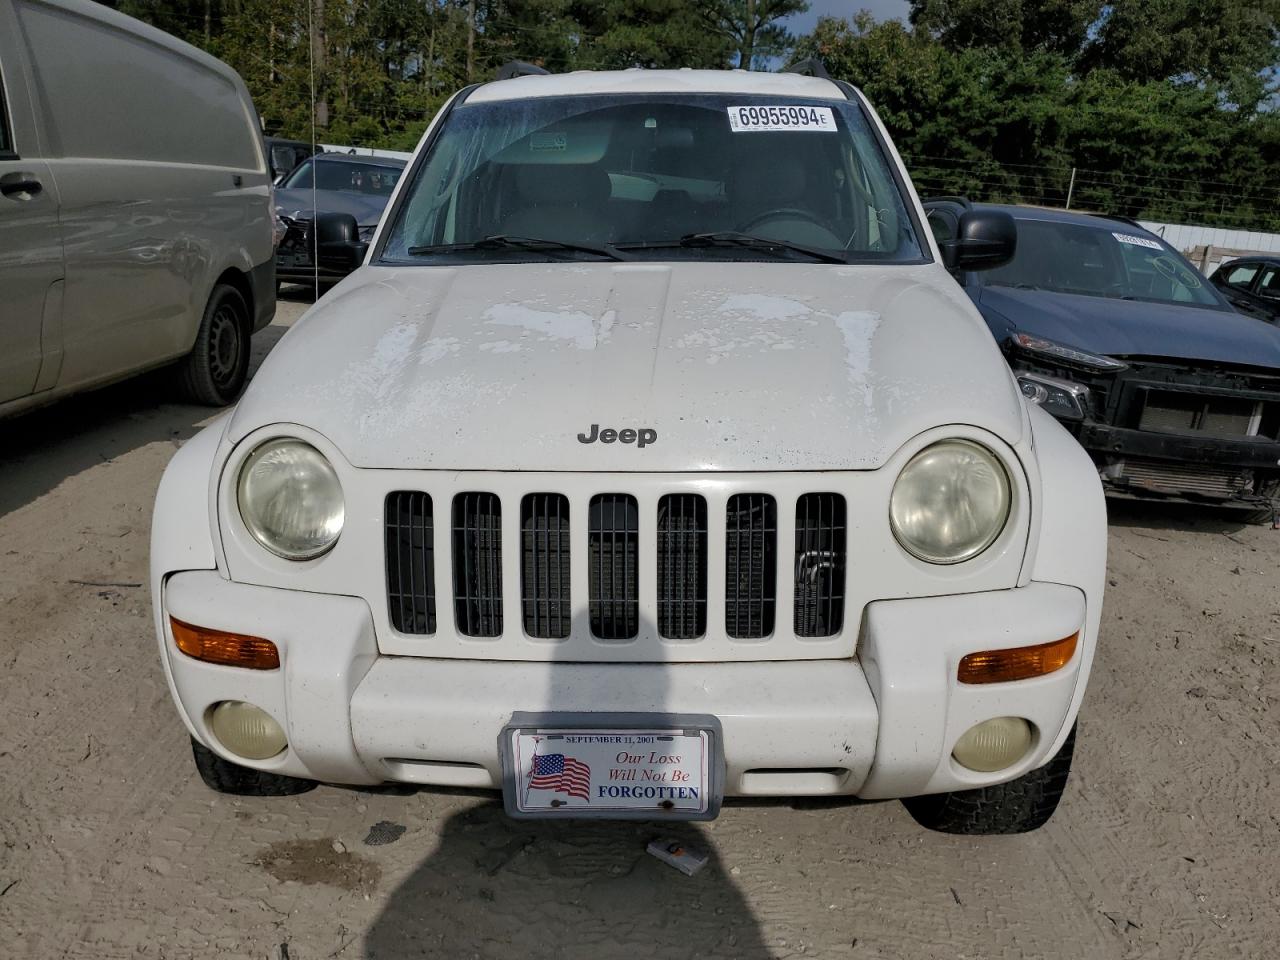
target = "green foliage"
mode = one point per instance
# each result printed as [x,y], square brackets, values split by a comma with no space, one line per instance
[1008,121]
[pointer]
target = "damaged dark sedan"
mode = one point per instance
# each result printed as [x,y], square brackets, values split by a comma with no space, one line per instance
[1175,395]
[350,194]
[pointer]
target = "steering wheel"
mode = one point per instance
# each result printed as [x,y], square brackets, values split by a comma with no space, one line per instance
[784,213]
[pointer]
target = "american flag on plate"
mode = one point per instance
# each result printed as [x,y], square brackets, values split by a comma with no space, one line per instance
[555,771]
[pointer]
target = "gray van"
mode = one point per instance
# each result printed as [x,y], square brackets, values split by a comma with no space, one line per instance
[136,224]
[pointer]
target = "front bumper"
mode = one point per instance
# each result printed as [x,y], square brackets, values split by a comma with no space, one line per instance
[879,725]
[1149,465]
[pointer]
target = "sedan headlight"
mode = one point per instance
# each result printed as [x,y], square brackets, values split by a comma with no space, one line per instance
[290,499]
[950,502]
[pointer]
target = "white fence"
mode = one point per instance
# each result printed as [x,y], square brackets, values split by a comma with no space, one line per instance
[1207,247]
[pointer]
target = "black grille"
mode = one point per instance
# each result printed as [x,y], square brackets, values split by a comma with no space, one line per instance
[682,566]
[820,559]
[613,542]
[477,564]
[411,568]
[751,565]
[544,564]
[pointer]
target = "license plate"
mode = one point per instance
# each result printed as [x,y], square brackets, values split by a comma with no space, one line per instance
[618,766]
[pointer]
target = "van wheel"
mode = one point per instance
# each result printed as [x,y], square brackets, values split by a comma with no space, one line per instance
[227,777]
[1019,806]
[214,372]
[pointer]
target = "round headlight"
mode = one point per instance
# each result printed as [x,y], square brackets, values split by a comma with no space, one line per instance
[290,499]
[950,502]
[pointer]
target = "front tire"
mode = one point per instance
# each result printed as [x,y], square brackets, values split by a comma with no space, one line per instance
[227,777]
[215,370]
[1019,806]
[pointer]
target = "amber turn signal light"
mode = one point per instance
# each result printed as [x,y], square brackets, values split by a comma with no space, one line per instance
[228,649]
[1017,663]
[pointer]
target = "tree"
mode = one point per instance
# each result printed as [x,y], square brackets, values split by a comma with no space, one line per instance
[1017,26]
[752,26]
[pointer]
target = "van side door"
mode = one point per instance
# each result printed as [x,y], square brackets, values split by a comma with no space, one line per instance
[31,265]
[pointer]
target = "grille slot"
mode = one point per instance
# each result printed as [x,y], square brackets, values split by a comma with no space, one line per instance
[1186,478]
[682,566]
[751,565]
[477,564]
[544,564]
[613,564]
[1167,411]
[820,564]
[411,571]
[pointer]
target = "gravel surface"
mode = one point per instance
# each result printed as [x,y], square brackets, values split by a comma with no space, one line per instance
[1165,845]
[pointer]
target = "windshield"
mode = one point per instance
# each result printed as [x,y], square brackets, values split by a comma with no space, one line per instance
[1110,260]
[639,173]
[366,178]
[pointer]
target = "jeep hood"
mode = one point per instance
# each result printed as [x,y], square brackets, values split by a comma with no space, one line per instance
[1135,328]
[736,366]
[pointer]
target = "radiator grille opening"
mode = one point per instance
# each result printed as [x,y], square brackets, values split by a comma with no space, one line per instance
[613,542]
[751,565]
[544,564]
[1167,411]
[477,564]
[820,564]
[682,566]
[411,571]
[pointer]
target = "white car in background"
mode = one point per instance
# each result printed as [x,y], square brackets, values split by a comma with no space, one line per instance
[652,457]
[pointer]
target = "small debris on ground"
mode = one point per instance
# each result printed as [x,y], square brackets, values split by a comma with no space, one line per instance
[384,832]
[674,853]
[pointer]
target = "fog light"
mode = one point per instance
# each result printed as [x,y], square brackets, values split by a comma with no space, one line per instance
[993,744]
[246,730]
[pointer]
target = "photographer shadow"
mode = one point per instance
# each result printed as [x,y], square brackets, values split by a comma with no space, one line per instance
[497,887]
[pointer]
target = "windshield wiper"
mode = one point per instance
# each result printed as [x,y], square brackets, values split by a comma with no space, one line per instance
[503,242]
[736,238]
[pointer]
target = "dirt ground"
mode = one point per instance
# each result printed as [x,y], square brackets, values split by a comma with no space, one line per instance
[1166,844]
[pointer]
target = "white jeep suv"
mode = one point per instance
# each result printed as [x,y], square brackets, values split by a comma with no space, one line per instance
[651,457]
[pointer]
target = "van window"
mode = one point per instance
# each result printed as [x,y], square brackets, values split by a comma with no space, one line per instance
[109,94]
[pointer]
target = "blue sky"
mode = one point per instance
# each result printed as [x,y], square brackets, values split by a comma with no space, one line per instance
[881,9]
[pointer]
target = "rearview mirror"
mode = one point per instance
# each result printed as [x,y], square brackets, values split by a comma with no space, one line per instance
[338,241]
[985,239]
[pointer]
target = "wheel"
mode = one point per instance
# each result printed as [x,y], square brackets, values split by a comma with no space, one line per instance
[1019,806]
[227,777]
[214,372]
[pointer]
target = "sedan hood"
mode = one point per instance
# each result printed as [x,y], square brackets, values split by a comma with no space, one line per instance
[1133,328]
[300,204]
[730,366]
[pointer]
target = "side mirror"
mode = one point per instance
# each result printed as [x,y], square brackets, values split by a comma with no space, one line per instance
[338,241]
[985,239]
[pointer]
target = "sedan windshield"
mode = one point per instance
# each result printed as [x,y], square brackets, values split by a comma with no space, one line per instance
[655,176]
[1102,261]
[369,178]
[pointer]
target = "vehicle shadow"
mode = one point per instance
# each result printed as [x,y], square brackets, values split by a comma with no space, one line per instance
[498,888]
[41,449]
[1181,517]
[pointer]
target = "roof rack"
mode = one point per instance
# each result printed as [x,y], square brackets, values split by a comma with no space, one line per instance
[812,67]
[519,68]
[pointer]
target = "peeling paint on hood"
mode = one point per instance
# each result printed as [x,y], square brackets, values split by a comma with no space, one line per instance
[736,366]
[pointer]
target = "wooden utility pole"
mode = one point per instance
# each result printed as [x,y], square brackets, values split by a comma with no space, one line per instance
[747,51]
[321,105]
[471,41]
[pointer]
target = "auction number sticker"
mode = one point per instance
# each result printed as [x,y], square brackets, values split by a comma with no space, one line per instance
[781,117]
[1137,241]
